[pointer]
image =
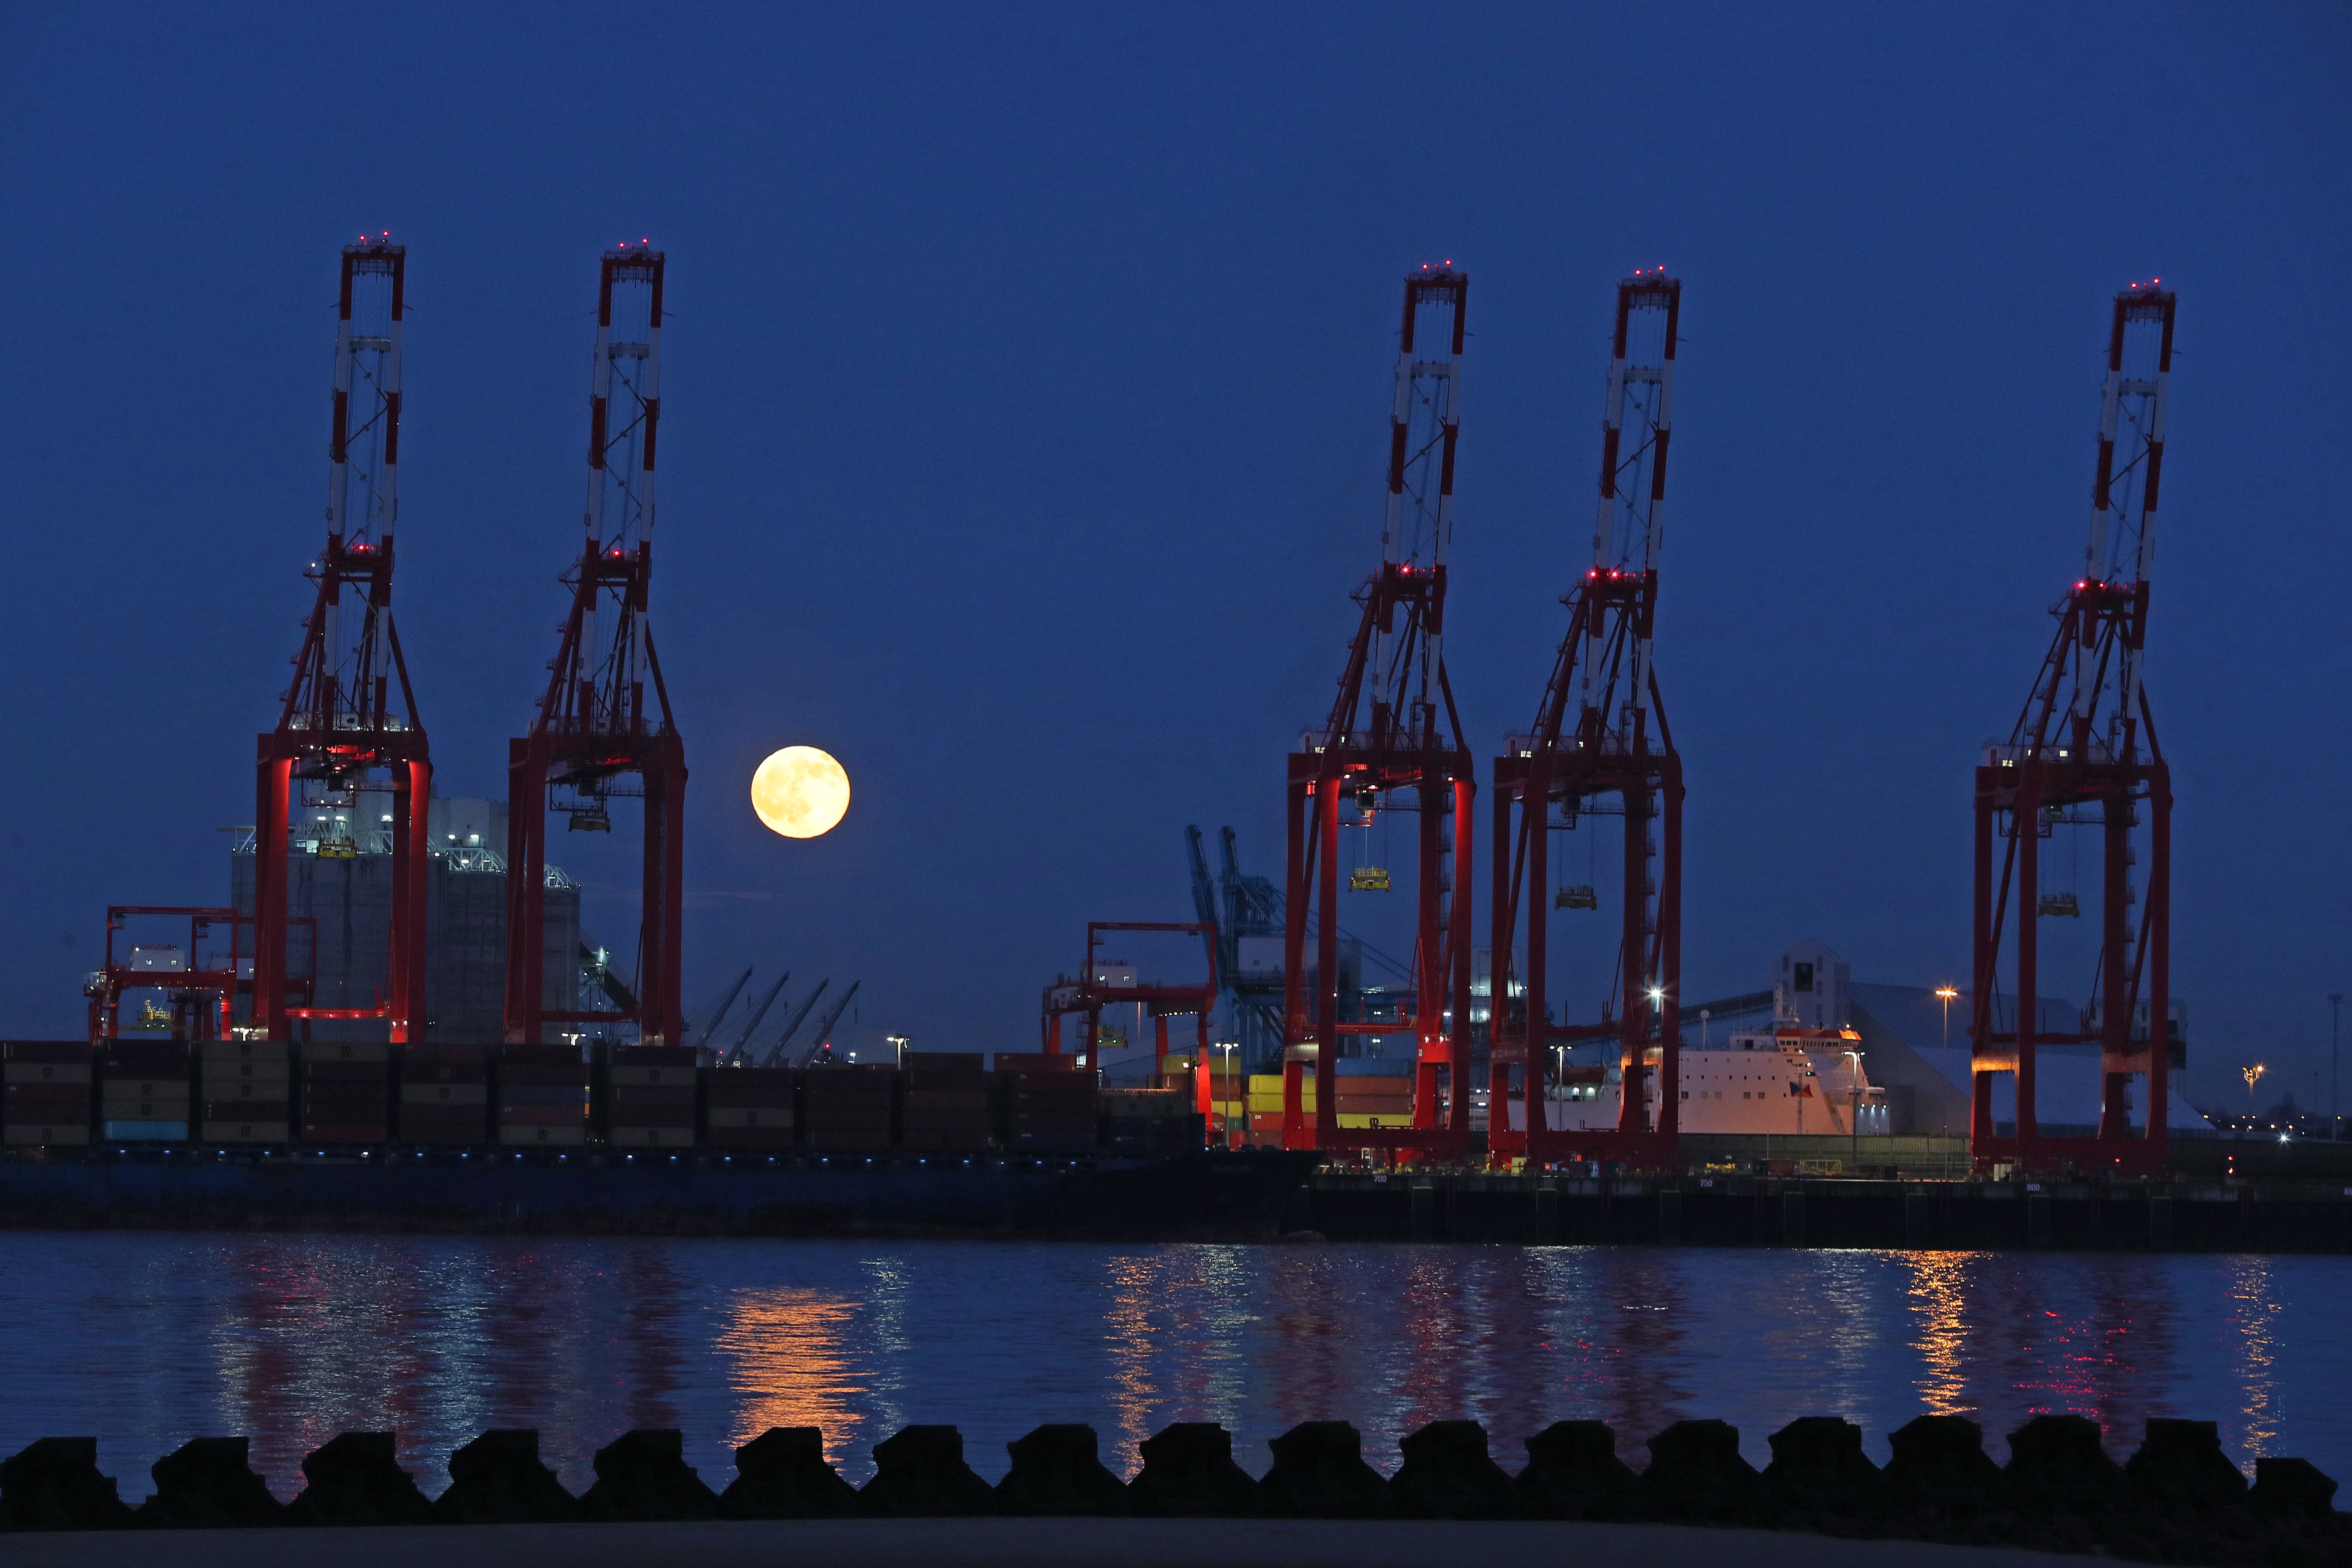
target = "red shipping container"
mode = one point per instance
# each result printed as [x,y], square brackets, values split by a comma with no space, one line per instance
[29,1095]
[652,1116]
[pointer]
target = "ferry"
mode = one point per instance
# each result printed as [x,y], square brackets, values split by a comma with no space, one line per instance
[1782,1079]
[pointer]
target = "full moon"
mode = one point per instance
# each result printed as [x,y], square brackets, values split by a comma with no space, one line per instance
[801,792]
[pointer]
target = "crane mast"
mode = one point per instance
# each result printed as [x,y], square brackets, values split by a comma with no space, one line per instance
[604,718]
[340,737]
[1391,729]
[2082,754]
[1600,742]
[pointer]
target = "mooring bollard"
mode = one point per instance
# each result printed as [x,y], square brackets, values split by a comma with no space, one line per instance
[1188,1473]
[498,1479]
[919,1473]
[206,1482]
[356,1479]
[54,1483]
[1573,1472]
[1696,1473]
[1319,1473]
[782,1474]
[1447,1473]
[643,1475]
[1056,1470]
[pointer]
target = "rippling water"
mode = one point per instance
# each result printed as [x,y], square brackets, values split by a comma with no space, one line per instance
[148,1339]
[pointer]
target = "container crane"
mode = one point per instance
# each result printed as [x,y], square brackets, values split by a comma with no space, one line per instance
[605,716]
[752,1026]
[339,738]
[824,1024]
[1600,741]
[2084,752]
[1392,730]
[711,1015]
[775,1057]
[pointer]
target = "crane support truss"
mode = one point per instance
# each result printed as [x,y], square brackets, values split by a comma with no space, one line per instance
[2084,751]
[1392,728]
[606,713]
[1601,733]
[1091,991]
[340,736]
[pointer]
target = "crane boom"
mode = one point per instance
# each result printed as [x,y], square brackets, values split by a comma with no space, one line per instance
[735,1052]
[703,1037]
[833,1015]
[776,1052]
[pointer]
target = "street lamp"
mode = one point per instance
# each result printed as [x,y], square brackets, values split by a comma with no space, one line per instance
[1854,1101]
[1224,1110]
[2251,1076]
[1947,995]
[2334,1077]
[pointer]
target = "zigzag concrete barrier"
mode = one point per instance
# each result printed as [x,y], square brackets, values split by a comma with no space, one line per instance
[2176,1499]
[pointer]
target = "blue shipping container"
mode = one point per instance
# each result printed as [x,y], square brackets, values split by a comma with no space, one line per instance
[146,1132]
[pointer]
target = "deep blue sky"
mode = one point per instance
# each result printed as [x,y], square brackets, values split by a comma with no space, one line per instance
[1025,388]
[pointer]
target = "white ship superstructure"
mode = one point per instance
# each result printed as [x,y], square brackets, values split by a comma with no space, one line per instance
[1783,1079]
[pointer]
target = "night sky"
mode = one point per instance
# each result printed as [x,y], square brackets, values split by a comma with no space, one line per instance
[1026,389]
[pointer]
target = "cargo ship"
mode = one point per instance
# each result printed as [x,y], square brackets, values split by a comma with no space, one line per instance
[352,1133]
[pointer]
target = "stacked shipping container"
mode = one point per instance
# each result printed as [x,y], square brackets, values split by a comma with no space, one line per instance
[345,1093]
[542,1097]
[945,1110]
[244,1091]
[751,1107]
[358,1095]
[445,1095]
[143,1091]
[1143,1122]
[46,1100]
[649,1097]
[1049,1104]
[849,1105]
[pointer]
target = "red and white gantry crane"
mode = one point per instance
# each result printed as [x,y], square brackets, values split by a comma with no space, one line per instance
[605,716]
[1392,731]
[1599,745]
[2083,753]
[341,739]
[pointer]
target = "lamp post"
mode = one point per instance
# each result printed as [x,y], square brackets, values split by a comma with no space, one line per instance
[1225,1110]
[2253,1075]
[1854,1101]
[2335,1076]
[1947,995]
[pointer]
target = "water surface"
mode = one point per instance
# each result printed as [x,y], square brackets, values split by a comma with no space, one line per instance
[146,1340]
